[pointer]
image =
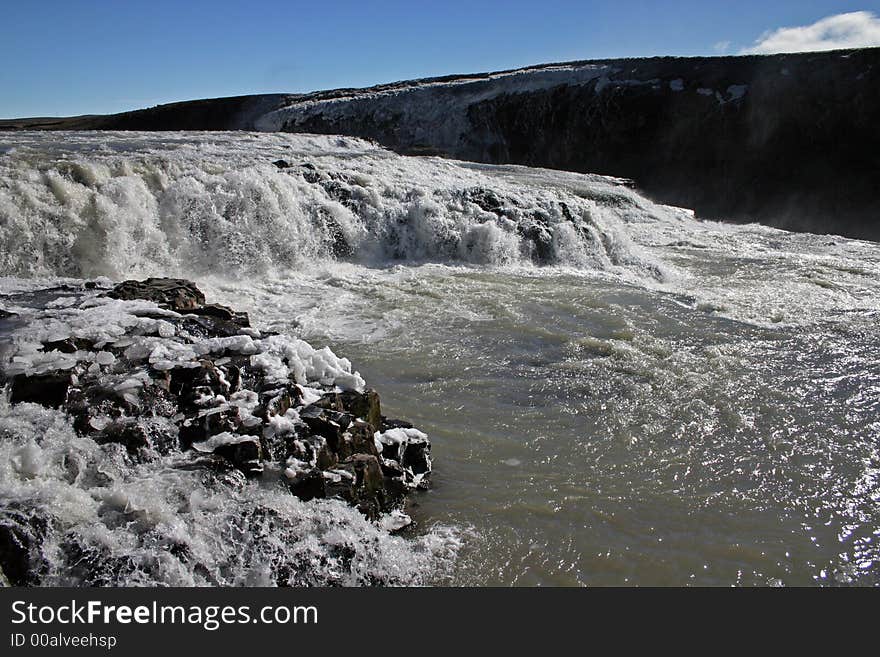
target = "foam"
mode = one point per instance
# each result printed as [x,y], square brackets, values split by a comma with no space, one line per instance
[138,204]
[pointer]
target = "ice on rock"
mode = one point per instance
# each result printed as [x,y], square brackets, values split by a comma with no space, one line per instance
[395,521]
[281,359]
[165,329]
[99,484]
[221,439]
[407,448]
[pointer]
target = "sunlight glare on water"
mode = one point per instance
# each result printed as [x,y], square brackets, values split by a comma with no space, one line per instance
[596,434]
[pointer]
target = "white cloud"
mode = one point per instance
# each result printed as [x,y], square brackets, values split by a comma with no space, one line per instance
[721,47]
[857,29]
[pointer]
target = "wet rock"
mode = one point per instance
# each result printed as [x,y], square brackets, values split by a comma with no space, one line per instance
[207,326]
[224,313]
[309,485]
[127,433]
[227,415]
[246,456]
[485,199]
[340,246]
[359,404]
[92,405]
[175,294]
[310,173]
[242,451]
[408,450]
[22,533]
[221,419]
[417,458]
[96,566]
[542,241]
[313,450]
[68,346]
[395,480]
[394,423]
[194,385]
[329,424]
[46,389]
[367,485]
[282,164]
[338,191]
[368,474]
[361,436]
[277,401]
[181,296]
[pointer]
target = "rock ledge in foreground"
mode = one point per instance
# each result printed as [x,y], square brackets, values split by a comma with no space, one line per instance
[150,366]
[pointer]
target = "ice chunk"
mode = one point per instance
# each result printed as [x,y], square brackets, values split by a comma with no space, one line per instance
[225,438]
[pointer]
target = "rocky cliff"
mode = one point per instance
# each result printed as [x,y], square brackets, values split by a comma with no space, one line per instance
[787,140]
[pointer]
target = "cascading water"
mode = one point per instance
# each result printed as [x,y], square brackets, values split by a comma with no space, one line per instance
[124,205]
[616,392]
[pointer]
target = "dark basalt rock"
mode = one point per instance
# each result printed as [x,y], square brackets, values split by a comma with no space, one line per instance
[365,405]
[21,537]
[368,488]
[190,384]
[46,389]
[125,432]
[224,414]
[393,423]
[90,404]
[207,326]
[68,346]
[406,459]
[309,485]
[216,311]
[542,241]
[361,438]
[174,294]
[486,200]
[328,424]
[312,449]
[246,456]
[183,296]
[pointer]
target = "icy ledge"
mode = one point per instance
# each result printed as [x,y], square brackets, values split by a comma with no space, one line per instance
[149,368]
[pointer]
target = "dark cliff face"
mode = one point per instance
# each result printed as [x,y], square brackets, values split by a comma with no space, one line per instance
[233,113]
[787,140]
[799,149]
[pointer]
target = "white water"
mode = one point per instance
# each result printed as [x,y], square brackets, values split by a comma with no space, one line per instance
[669,401]
[123,204]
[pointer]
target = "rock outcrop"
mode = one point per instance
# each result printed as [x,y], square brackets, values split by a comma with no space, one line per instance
[183,376]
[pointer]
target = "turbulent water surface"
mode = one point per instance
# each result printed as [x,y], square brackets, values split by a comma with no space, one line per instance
[616,392]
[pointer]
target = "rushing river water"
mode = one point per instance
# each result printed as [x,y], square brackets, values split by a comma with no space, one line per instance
[660,401]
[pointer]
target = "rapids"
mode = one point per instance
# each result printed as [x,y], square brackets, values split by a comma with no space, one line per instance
[616,392]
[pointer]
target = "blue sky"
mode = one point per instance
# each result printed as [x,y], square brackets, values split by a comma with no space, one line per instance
[77,57]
